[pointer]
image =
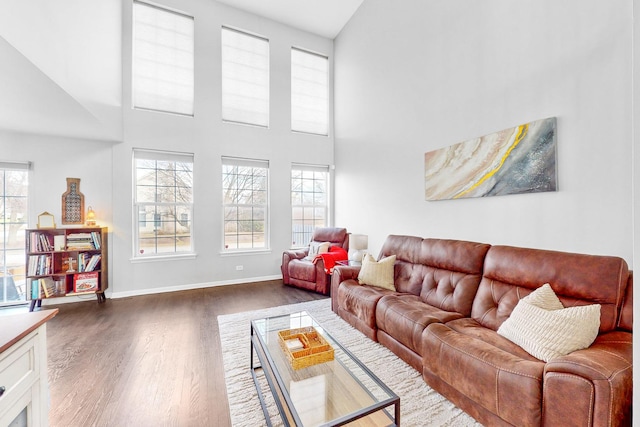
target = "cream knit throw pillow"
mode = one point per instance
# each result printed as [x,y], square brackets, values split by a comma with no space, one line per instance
[377,273]
[545,329]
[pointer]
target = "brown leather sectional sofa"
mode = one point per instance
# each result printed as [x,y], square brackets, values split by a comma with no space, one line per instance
[452,296]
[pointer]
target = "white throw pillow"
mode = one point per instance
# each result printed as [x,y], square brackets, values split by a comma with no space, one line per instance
[546,330]
[544,297]
[377,273]
[317,248]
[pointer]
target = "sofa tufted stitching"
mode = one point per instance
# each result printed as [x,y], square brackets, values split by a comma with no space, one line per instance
[582,365]
[611,393]
[619,290]
[574,377]
[522,374]
[615,342]
[496,398]
[402,314]
[486,313]
[616,356]
[489,310]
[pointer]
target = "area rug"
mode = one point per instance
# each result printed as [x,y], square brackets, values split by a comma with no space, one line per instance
[419,404]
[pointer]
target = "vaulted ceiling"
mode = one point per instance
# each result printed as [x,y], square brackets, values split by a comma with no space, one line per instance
[60,75]
[323,17]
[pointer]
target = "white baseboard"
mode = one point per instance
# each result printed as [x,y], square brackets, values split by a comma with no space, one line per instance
[138,292]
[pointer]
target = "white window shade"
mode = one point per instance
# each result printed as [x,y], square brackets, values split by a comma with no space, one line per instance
[163,64]
[309,92]
[245,78]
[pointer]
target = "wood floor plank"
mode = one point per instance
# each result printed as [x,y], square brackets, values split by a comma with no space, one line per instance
[152,360]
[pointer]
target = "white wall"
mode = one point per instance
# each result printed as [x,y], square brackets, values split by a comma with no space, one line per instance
[209,139]
[50,115]
[61,65]
[414,76]
[53,160]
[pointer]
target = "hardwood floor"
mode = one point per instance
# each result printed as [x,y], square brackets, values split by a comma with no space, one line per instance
[151,360]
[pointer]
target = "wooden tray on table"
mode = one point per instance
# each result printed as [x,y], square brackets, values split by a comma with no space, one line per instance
[304,347]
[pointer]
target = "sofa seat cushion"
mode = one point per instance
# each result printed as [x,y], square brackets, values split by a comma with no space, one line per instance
[472,328]
[404,317]
[302,269]
[499,378]
[361,300]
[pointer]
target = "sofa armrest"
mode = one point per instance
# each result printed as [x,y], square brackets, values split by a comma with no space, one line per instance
[296,254]
[593,385]
[287,256]
[340,274]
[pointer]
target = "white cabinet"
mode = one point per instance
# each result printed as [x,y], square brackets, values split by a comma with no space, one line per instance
[23,369]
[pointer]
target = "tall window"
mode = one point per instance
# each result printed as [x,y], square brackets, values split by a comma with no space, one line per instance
[245,78]
[309,201]
[162,59]
[163,202]
[309,92]
[245,195]
[14,182]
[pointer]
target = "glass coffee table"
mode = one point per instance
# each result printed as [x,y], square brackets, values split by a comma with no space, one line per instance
[333,393]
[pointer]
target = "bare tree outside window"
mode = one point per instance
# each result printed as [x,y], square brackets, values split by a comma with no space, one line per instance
[245,200]
[14,221]
[164,203]
[309,202]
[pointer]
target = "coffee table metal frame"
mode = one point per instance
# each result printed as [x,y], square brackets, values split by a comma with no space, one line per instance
[279,390]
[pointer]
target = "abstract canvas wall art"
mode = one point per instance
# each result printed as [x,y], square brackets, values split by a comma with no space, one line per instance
[518,160]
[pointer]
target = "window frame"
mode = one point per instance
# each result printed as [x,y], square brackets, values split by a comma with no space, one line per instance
[326,207]
[162,156]
[188,112]
[254,164]
[18,252]
[235,118]
[294,93]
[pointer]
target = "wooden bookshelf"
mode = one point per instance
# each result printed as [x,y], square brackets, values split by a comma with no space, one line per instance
[63,262]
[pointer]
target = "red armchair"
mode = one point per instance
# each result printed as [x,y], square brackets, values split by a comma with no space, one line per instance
[310,274]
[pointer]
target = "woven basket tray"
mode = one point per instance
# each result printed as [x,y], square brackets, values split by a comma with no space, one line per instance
[316,348]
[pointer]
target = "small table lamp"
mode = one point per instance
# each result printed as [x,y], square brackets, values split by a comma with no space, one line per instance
[358,245]
[91,218]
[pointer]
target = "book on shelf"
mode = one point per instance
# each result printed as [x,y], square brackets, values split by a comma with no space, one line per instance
[59,242]
[95,236]
[36,289]
[93,262]
[39,265]
[88,262]
[40,242]
[48,286]
[85,282]
[80,241]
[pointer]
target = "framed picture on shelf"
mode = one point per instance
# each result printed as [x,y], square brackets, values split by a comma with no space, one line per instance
[46,220]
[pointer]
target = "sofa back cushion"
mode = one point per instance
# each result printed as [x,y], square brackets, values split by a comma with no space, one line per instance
[512,273]
[408,271]
[452,270]
[334,235]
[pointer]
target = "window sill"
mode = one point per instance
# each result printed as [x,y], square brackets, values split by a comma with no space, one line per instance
[172,257]
[246,252]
